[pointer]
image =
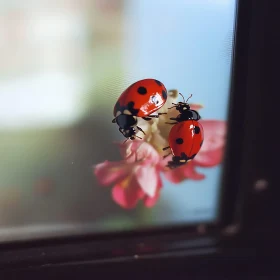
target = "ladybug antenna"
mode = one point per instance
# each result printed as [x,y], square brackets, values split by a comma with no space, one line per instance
[183,97]
[189,98]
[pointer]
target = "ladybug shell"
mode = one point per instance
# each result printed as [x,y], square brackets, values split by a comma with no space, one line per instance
[186,137]
[141,98]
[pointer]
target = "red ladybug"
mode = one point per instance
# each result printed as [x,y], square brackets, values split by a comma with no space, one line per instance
[141,99]
[186,136]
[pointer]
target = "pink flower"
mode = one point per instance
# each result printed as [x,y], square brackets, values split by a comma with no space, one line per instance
[136,177]
[211,153]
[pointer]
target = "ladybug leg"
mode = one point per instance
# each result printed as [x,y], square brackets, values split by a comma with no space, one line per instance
[158,114]
[114,120]
[172,164]
[152,116]
[121,131]
[172,119]
[149,117]
[146,118]
[166,148]
[165,156]
[175,105]
[141,130]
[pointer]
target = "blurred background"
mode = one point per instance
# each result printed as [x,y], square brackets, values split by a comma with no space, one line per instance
[63,65]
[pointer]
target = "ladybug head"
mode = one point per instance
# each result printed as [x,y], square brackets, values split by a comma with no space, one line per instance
[127,124]
[126,121]
[185,110]
[182,107]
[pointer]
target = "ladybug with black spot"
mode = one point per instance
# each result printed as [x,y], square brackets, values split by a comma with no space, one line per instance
[141,99]
[186,136]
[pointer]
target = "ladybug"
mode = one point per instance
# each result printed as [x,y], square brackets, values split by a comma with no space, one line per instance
[140,99]
[186,136]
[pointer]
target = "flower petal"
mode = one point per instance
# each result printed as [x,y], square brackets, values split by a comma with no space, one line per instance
[175,175]
[127,193]
[139,151]
[126,149]
[190,172]
[209,158]
[159,142]
[149,179]
[147,153]
[181,173]
[196,107]
[151,201]
[172,98]
[214,134]
[211,152]
[108,173]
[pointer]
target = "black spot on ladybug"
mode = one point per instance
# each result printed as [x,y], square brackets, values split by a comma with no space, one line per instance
[130,107]
[196,129]
[184,156]
[179,141]
[158,82]
[142,90]
[201,143]
[192,157]
[117,107]
[176,158]
[164,94]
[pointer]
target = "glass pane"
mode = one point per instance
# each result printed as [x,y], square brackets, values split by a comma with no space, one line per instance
[63,66]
